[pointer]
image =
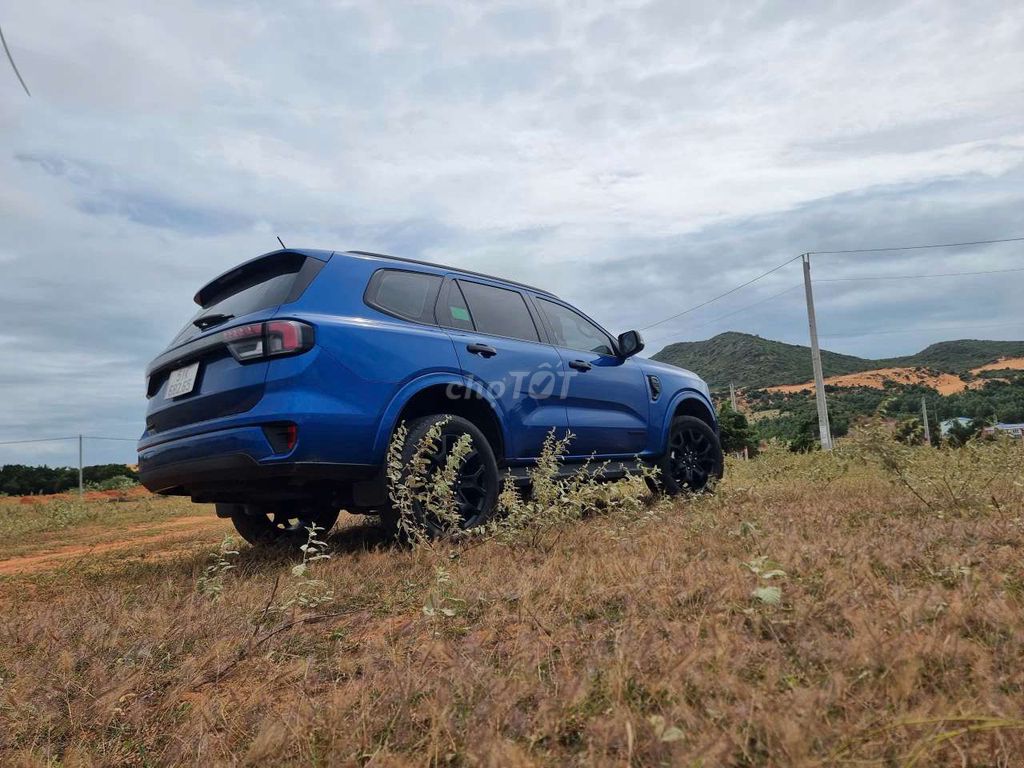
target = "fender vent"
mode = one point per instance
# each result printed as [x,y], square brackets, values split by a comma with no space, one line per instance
[655,384]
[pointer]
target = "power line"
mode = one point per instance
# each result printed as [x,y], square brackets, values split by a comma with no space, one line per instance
[71,437]
[749,306]
[917,247]
[847,279]
[859,334]
[738,311]
[721,295]
[40,440]
[13,65]
[853,279]
[918,277]
[824,253]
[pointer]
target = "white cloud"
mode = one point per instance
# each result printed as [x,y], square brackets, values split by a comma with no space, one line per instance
[671,148]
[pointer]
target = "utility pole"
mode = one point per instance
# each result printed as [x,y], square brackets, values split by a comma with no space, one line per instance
[81,485]
[824,427]
[924,418]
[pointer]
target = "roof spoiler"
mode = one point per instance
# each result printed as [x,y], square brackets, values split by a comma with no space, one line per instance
[275,262]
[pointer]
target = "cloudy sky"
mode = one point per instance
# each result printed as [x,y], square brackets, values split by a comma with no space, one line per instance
[635,157]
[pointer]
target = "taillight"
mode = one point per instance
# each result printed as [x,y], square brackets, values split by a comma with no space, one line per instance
[274,338]
[287,336]
[245,341]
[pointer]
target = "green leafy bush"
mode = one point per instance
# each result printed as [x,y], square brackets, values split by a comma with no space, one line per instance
[735,431]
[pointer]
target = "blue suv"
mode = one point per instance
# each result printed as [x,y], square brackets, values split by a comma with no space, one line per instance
[278,400]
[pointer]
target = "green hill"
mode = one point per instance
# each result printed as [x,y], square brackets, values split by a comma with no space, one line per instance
[957,356]
[751,361]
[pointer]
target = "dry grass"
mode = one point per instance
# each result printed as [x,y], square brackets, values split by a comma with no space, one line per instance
[898,639]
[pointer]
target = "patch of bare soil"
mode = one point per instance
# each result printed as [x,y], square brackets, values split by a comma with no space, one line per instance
[1005,364]
[125,538]
[943,383]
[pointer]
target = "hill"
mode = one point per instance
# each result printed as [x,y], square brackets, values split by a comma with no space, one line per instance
[753,362]
[957,356]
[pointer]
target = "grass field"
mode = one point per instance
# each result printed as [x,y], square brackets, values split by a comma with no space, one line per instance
[815,611]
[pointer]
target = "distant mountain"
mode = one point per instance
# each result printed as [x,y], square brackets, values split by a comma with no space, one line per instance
[752,362]
[956,356]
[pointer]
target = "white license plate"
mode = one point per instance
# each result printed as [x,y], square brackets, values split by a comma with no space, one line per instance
[181,381]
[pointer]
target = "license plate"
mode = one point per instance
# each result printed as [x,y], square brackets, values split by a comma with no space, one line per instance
[181,381]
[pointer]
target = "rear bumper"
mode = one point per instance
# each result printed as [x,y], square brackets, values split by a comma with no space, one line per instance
[238,465]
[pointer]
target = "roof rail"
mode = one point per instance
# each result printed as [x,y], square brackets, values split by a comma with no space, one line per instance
[453,269]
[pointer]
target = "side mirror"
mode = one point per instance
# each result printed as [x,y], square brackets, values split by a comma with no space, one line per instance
[630,343]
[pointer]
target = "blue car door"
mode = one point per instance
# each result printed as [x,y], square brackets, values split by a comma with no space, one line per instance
[499,347]
[607,400]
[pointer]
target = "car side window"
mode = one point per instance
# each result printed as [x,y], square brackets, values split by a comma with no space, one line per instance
[573,331]
[499,311]
[407,294]
[452,311]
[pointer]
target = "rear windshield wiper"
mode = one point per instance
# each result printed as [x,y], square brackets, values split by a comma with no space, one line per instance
[208,321]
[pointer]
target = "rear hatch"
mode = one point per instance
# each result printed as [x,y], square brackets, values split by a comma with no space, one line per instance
[201,377]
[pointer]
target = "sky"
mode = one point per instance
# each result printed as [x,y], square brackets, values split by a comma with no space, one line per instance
[636,158]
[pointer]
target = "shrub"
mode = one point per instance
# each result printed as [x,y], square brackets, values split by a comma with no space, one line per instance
[212,581]
[961,433]
[65,511]
[948,479]
[910,431]
[420,493]
[735,431]
[116,483]
[778,463]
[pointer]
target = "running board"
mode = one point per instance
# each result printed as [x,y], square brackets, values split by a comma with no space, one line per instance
[615,469]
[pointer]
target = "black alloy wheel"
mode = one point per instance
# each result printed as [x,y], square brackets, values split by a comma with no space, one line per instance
[693,460]
[471,485]
[286,525]
[477,481]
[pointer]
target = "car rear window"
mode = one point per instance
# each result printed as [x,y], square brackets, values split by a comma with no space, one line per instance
[410,295]
[499,311]
[252,287]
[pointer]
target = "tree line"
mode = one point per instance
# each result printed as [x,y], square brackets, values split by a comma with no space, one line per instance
[22,480]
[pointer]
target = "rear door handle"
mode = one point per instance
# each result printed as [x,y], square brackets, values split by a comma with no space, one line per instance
[580,365]
[482,349]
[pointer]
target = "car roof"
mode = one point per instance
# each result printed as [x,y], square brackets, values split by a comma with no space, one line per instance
[324,255]
[457,270]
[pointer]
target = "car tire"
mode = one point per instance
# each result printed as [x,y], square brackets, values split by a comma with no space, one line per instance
[693,459]
[477,485]
[286,525]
